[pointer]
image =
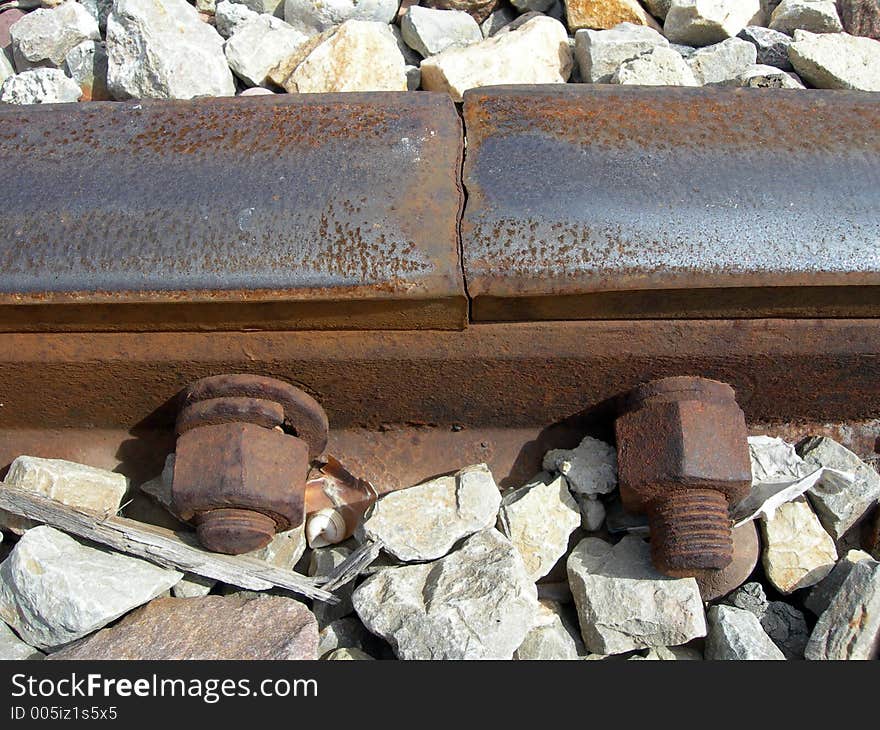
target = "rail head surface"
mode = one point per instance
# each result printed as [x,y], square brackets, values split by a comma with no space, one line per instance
[602,201]
[290,211]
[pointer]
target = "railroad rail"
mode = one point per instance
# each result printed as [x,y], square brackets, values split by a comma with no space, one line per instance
[453,285]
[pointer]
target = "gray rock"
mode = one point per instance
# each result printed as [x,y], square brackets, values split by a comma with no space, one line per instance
[343,633]
[660,67]
[683,51]
[590,468]
[431,31]
[599,54]
[230,16]
[798,553]
[312,17]
[323,561]
[839,507]
[525,6]
[54,589]
[87,65]
[99,10]
[45,36]
[192,586]
[425,521]
[40,86]
[658,8]
[703,22]
[749,597]
[259,45]
[767,77]
[850,627]
[624,603]
[285,549]
[348,655]
[161,49]
[413,78]
[476,603]
[836,60]
[262,7]
[787,628]
[13,648]
[816,16]
[538,519]
[737,634]
[549,638]
[820,597]
[497,19]
[592,513]
[722,62]
[772,46]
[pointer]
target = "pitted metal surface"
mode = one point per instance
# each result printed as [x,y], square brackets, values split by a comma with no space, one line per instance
[607,201]
[325,200]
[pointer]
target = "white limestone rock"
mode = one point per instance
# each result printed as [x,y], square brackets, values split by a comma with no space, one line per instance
[45,36]
[670,654]
[722,63]
[850,627]
[549,638]
[624,603]
[312,17]
[425,521]
[535,53]
[6,68]
[816,16]
[259,45]
[836,60]
[230,16]
[659,67]
[839,506]
[429,31]
[264,7]
[736,634]
[589,469]
[476,603]
[13,648]
[99,10]
[39,86]
[599,53]
[798,553]
[538,519]
[767,77]
[703,22]
[76,485]
[161,49]
[54,589]
[360,56]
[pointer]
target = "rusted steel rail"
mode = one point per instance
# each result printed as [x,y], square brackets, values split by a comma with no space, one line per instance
[336,243]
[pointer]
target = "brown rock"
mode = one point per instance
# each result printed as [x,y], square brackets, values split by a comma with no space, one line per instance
[478,9]
[212,627]
[605,14]
[7,20]
[860,17]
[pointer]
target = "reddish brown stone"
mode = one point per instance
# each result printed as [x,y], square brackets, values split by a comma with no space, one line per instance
[212,627]
[478,9]
[7,20]
[860,17]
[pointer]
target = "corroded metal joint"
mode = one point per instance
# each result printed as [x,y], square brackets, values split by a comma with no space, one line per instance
[244,446]
[683,459]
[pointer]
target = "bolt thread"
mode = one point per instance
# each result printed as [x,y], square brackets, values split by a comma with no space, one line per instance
[234,531]
[690,531]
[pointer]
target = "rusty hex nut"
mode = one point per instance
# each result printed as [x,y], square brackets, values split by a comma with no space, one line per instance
[240,483]
[682,451]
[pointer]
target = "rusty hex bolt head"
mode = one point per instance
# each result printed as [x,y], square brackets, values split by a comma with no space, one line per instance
[683,458]
[242,458]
